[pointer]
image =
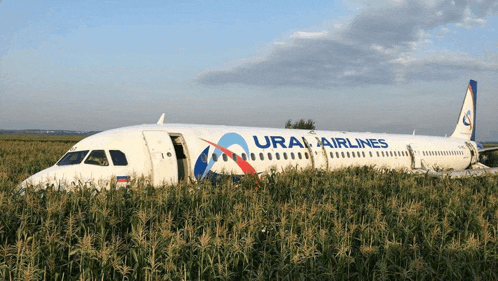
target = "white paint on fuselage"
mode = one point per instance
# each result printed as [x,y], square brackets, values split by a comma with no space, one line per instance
[435,152]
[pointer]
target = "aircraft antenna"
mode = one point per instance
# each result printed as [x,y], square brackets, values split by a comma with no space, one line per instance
[414,132]
[161,120]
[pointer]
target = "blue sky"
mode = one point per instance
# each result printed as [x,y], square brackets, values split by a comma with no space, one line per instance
[380,66]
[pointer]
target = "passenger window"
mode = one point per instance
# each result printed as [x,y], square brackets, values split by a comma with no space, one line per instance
[390,152]
[293,156]
[285,155]
[306,155]
[382,152]
[234,156]
[215,157]
[378,155]
[331,154]
[253,157]
[269,156]
[370,152]
[119,158]
[204,158]
[347,153]
[342,154]
[72,158]
[225,157]
[261,156]
[244,157]
[97,157]
[277,156]
[337,154]
[353,154]
[299,155]
[363,153]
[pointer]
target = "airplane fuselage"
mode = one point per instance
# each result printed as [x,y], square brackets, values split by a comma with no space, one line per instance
[169,153]
[172,152]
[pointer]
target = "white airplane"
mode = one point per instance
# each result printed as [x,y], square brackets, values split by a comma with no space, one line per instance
[169,153]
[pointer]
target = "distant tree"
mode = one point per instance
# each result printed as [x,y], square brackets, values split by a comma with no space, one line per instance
[301,124]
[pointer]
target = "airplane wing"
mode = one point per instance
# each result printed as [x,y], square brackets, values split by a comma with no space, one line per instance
[488,149]
[463,173]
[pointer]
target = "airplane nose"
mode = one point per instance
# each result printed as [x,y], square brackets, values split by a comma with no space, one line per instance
[43,177]
[53,176]
[63,178]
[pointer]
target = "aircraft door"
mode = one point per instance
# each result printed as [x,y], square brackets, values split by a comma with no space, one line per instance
[317,152]
[473,153]
[163,157]
[416,158]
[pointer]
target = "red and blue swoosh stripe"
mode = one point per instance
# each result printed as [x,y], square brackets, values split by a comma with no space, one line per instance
[203,167]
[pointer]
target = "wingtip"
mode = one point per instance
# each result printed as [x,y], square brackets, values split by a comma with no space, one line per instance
[161,119]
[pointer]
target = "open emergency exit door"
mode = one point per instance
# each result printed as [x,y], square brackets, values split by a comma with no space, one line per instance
[163,157]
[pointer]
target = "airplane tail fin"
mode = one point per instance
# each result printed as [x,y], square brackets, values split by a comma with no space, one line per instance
[466,123]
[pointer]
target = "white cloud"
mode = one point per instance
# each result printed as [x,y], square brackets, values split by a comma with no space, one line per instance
[470,20]
[279,43]
[404,60]
[309,35]
[380,45]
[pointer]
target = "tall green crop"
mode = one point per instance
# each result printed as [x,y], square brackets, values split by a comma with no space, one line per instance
[356,223]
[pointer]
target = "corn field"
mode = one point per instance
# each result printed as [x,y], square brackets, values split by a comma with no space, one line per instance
[352,224]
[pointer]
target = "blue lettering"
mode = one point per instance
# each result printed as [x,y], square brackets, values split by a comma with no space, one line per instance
[333,141]
[340,142]
[262,146]
[350,145]
[374,143]
[325,142]
[384,143]
[363,143]
[278,140]
[358,143]
[293,142]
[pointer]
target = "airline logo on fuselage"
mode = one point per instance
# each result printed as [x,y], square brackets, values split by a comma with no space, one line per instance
[292,142]
[205,163]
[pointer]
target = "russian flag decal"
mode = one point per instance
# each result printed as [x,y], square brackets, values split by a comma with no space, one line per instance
[123,179]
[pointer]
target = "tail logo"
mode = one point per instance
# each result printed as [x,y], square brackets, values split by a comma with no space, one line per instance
[466,119]
[204,163]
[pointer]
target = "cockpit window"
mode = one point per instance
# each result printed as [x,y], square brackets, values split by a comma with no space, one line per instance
[119,158]
[97,157]
[72,158]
